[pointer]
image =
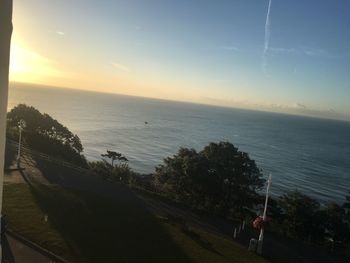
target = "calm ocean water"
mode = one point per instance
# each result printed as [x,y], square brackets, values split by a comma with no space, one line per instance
[311,155]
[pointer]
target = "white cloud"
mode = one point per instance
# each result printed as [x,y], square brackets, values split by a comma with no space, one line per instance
[61,33]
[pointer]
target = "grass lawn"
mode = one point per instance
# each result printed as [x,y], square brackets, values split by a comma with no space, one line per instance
[84,227]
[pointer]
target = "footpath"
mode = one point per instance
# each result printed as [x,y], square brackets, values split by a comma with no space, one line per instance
[18,252]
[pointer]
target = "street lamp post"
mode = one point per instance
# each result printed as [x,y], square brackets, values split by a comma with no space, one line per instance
[21,126]
[261,236]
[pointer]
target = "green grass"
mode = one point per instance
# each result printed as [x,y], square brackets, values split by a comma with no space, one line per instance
[85,227]
[27,218]
[201,246]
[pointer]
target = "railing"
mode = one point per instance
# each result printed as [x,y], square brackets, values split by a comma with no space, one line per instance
[42,156]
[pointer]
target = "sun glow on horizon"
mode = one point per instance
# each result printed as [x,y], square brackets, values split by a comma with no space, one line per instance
[26,65]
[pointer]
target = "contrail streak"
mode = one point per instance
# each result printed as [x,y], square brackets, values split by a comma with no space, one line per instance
[267,37]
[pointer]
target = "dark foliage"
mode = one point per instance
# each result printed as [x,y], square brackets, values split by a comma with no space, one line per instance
[219,178]
[45,134]
[304,218]
[335,225]
[299,213]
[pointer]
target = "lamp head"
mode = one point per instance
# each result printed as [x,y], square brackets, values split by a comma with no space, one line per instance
[22,124]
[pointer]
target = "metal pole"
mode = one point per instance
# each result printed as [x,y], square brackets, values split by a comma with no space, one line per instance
[261,236]
[21,126]
[5,42]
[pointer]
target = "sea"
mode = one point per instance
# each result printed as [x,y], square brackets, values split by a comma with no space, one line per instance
[302,153]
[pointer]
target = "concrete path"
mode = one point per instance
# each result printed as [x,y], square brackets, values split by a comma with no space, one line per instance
[20,253]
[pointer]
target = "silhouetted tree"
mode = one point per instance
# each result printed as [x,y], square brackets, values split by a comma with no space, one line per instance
[114,156]
[335,222]
[346,207]
[45,134]
[346,204]
[300,214]
[219,178]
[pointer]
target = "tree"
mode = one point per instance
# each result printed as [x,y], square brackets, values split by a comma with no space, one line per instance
[346,204]
[300,215]
[121,171]
[45,134]
[219,178]
[335,222]
[346,207]
[114,156]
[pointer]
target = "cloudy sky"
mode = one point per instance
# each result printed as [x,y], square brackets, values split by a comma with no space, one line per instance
[278,55]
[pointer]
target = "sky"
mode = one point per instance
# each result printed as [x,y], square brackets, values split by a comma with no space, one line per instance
[278,55]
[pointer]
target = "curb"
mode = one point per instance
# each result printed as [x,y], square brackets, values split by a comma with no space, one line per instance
[14,169]
[36,247]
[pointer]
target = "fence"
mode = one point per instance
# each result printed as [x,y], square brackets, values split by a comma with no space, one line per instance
[25,151]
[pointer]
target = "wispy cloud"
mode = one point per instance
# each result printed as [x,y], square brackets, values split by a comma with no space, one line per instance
[267,37]
[121,67]
[297,108]
[300,106]
[61,33]
[317,52]
[306,51]
[226,48]
[303,109]
[281,50]
[229,48]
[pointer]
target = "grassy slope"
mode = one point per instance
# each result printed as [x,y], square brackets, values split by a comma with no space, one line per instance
[26,217]
[84,227]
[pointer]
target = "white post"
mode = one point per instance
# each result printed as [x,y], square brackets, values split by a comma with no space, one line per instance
[243,225]
[5,41]
[235,233]
[261,236]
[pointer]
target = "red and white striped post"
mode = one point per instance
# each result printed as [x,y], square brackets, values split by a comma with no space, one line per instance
[5,42]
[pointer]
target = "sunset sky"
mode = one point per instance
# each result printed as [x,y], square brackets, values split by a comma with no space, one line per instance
[292,57]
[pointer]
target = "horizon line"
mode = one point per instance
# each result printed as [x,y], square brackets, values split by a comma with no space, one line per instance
[43,86]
